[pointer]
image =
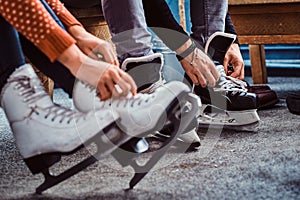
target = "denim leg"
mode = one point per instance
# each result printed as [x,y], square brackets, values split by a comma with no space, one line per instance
[128,27]
[56,71]
[81,3]
[207,17]
[161,20]
[11,55]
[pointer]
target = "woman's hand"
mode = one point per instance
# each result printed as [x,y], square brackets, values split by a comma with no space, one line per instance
[108,79]
[92,46]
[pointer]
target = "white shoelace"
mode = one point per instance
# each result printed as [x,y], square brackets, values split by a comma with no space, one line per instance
[129,100]
[229,84]
[37,92]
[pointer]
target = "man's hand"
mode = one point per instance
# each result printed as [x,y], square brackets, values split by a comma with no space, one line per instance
[234,58]
[199,67]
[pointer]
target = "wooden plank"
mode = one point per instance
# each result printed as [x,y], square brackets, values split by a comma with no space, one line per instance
[79,13]
[251,2]
[258,64]
[270,39]
[182,14]
[264,8]
[267,24]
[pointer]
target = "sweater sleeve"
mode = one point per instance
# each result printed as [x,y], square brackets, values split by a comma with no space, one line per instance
[33,21]
[63,14]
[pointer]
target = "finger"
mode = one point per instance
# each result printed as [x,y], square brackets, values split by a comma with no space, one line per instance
[210,79]
[116,62]
[130,81]
[225,64]
[111,86]
[200,78]
[237,71]
[194,78]
[124,86]
[214,72]
[242,76]
[106,52]
[104,93]
[95,56]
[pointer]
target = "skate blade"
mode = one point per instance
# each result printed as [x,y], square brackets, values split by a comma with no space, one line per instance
[106,142]
[253,127]
[246,120]
[180,122]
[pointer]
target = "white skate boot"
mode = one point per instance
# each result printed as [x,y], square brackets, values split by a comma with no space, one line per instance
[147,73]
[45,131]
[142,115]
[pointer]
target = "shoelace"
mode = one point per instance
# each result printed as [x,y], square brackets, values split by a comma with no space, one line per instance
[129,100]
[34,93]
[132,101]
[153,87]
[229,84]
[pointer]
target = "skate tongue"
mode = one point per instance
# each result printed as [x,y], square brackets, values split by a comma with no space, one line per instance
[24,70]
[44,102]
[221,70]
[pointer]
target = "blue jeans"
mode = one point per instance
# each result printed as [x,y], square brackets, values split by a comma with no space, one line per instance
[11,55]
[128,27]
[207,17]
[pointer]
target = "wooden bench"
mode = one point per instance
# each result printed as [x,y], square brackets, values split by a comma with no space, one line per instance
[260,22]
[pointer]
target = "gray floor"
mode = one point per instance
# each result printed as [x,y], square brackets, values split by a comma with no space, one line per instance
[230,165]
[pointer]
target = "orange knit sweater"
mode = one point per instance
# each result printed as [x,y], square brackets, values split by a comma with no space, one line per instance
[33,21]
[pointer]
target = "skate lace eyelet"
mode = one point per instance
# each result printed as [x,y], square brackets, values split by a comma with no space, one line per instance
[46,117]
[52,119]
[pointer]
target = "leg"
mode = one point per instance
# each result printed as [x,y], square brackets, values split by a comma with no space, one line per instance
[161,20]
[207,17]
[128,27]
[81,3]
[41,127]
[10,50]
[56,71]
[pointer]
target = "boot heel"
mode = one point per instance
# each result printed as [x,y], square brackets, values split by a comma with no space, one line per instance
[40,162]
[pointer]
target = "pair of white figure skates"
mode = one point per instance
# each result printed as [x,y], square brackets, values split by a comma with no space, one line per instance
[45,131]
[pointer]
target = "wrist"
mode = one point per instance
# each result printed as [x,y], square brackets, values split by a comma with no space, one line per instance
[77,31]
[72,58]
[185,50]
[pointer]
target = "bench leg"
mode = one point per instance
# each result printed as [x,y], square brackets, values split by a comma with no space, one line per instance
[258,64]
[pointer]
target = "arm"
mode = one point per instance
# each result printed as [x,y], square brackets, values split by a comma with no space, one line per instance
[233,55]
[33,21]
[196,64]
[88,43]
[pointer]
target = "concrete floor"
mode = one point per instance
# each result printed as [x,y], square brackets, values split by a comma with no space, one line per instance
[264,164]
